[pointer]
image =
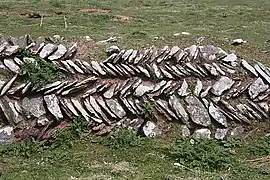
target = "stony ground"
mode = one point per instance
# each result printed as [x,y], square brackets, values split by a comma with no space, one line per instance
[138,24]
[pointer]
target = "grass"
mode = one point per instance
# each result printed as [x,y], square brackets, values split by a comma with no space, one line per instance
[73,154]
[219,21]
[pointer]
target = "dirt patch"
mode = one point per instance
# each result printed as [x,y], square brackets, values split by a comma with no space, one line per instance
[31,15]
[91,10]
[3,12]
[122,18]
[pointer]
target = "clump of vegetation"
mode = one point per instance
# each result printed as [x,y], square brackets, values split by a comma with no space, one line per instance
[21,149]
[65,137]
[40,72]
[260,148]
[201,153]
[148,109]
[123,138]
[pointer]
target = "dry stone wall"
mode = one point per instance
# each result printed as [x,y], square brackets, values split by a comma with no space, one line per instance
[208,91]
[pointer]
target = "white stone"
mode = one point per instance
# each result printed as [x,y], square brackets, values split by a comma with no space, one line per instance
[202,133]
[223,84]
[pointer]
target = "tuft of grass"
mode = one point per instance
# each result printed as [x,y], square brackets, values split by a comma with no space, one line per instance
[260,148]
[40,72]
[123,138]
[64,138]
[204,154]
[148,110]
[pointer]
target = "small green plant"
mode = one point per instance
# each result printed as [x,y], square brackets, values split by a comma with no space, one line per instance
[148,110]
[201,153]
[123,138]
[57,4]
[40,72]
[21,149]
[260,148]
[65,137]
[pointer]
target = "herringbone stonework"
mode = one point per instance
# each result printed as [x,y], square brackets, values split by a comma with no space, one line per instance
[208,91]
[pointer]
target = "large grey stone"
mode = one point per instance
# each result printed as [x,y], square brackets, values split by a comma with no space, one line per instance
[47,50]
[150,129]
[53,106]
[257,87]
[220,133]
[142,89]
[223,84]
[6,134]
[116,108]
[217,115]
[202,133]
[61,50]
[178,108]
[198,113]
[9,63]
[33,107]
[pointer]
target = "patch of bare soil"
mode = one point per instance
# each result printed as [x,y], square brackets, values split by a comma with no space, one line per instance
[31,15]
[122,18]
[3,12]
[92,10]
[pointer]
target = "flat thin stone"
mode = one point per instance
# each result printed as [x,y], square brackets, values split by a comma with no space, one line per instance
[16,88]
[10,112]
[142,89]
[178,108]
[61,51]
[198,88]
[128,106]
[102,104]
[97,108]
[53,106]
[248,67]
[80,108]
[8,85]
[72,64]
[90,108]
[98,68]
[164,105]
[157,71]
[144,71]
[198,113]
[127,54]
[262,73]
[116,108]
[223,84]
[109,93]
[166,73]
[230,58]
[256,88]
[183,91]
[174,50]
[47,50]
[217,115]
[67,66]
[10,50]
[9,63]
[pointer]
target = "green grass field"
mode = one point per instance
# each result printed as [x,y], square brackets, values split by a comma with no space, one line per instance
[137,24]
